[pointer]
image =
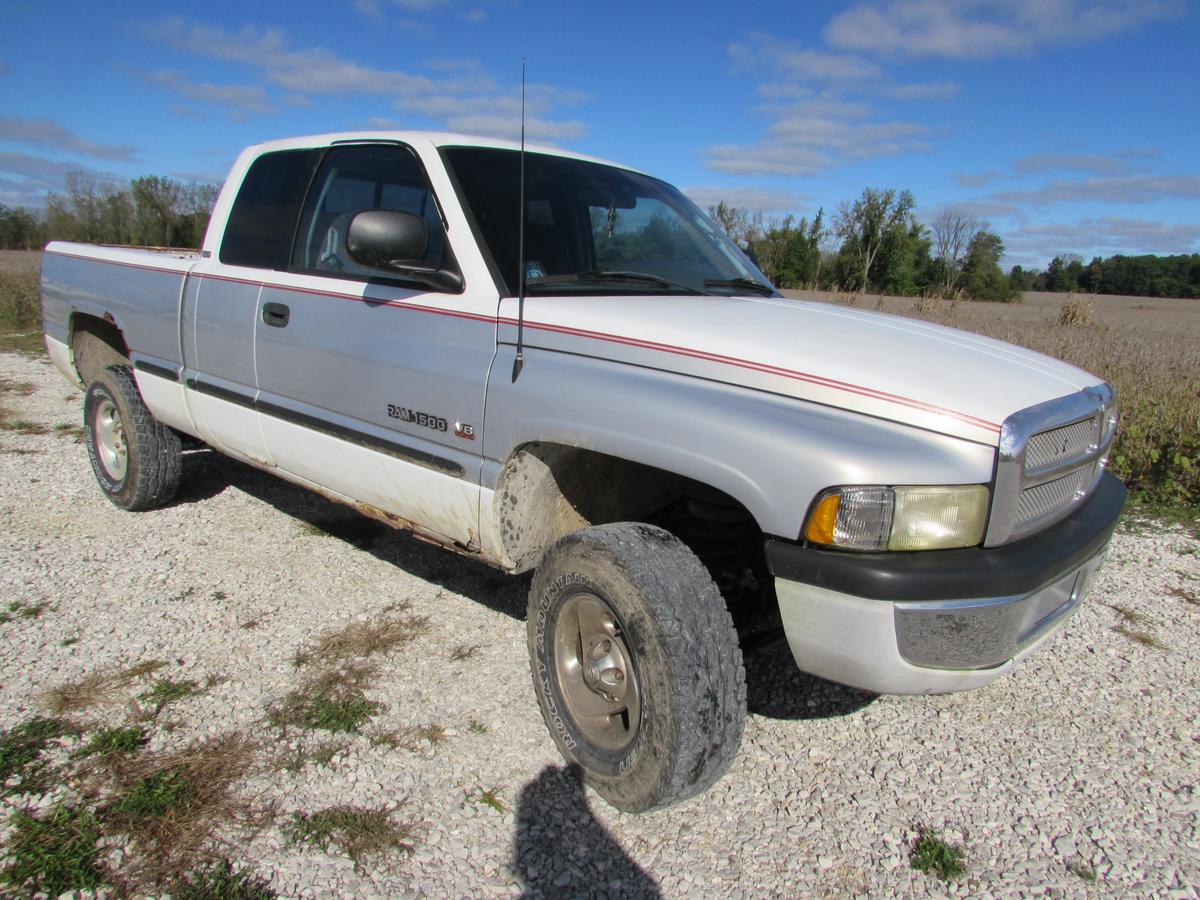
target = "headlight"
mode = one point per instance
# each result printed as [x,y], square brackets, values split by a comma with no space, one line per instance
[914,517]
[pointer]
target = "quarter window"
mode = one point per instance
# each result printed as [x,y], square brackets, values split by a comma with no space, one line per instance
[263,219]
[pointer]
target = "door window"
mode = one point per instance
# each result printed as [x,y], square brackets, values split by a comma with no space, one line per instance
[353,179]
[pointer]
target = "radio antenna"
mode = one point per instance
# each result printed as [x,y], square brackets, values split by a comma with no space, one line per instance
[519,359]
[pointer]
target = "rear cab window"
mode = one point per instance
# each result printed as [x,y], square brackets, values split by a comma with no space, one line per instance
[262,222]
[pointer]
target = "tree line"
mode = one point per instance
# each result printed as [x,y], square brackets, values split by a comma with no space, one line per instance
[151,211]
[1139,276]
[874,243]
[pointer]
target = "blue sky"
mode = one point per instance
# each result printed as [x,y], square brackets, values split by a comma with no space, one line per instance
[1066,126]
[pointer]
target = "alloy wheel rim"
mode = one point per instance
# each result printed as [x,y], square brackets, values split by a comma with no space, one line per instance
[110,440]
[596,673]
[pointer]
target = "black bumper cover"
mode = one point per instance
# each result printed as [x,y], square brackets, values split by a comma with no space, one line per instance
[1013,569]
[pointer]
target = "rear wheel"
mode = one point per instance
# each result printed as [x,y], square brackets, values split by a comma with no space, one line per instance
[636,664]
[136,459]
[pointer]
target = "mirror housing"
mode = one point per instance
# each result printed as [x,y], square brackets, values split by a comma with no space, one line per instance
[380,237]
[396,241]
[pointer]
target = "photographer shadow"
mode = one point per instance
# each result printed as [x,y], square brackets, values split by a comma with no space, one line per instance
[560,850]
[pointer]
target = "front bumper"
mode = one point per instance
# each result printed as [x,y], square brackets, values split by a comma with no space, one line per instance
[937,621]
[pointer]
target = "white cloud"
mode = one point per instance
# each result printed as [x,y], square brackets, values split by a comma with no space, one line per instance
[1124,189]
[462,96]
[927,90]
[984,29]
[807,138]
[242,97]
[1103,236]
[755,199]
[48,134]
[794,60]
[1059,162]
[25,180]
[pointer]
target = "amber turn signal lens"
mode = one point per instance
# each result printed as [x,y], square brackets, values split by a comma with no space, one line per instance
[823,520]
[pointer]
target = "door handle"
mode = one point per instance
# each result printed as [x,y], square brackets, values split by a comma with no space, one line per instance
[276,314]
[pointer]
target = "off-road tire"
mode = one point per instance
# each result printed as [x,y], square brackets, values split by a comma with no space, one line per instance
[153,458]
[683,651]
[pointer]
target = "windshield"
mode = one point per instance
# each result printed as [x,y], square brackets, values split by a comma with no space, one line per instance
[591,228]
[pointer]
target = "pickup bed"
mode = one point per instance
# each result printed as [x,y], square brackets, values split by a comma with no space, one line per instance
[554,363]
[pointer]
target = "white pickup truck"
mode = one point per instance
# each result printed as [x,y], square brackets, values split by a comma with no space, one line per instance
[597,384]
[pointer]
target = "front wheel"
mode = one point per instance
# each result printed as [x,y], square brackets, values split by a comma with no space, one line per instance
[636,664]
[136,459]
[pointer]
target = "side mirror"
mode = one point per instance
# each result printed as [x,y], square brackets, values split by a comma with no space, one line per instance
[397,241]
[382,238]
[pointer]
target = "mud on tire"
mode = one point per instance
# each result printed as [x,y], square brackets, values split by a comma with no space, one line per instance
[136,459]
[636,664]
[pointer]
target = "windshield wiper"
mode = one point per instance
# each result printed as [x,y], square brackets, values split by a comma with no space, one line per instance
[742,283]
[600,276]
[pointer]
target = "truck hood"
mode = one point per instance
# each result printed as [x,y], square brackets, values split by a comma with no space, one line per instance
[904,370]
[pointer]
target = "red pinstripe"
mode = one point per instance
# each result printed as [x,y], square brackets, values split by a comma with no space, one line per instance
[766,368]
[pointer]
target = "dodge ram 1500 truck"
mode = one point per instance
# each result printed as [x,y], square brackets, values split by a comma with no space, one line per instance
[553,363]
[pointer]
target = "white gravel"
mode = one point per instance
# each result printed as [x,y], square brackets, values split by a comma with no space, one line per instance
[1089,755]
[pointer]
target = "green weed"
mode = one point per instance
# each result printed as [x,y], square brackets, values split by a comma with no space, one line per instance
[220,881]
[930,853]
[110,741]
[54,853]
[331,699]
[21,749]
[356,831]
[164,692]
[489,798]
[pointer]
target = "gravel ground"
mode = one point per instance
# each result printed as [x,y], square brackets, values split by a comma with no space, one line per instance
[1084,762]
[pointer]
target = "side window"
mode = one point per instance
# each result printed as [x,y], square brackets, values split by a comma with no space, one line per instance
[263,219]
[356,178]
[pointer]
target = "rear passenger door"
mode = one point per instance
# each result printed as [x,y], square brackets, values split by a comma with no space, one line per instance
[371,386]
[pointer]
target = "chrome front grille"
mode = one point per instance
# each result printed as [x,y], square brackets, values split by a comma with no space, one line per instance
[1059,445]
[1050,457]
[1046,498]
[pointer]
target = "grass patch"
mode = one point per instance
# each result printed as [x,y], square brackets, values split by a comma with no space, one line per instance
[489,798]
[182,595]
[221,881]
[96,688]
[1081,868]
[1186,596]
[27,343]
[358,832]
[1145,638]
[67,430]
[331,699]
[21,751]
[170,805]
[463,652]
[477,727]
[164,692]
[18,609]
[320,754]
[19,426]
[113,741]
[1127,613]
[931,853]
[54,853]
[414,738]
[19,388]
[363,639]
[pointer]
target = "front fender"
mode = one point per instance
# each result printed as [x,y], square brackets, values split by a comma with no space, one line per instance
[773,454]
